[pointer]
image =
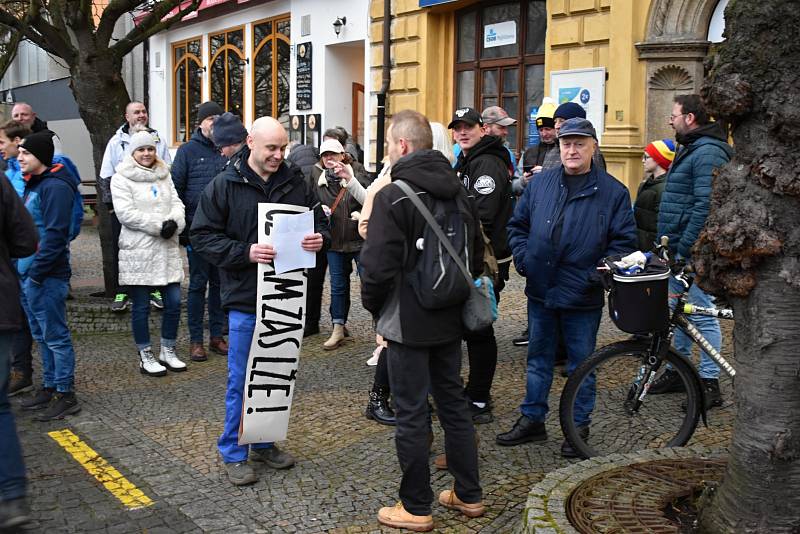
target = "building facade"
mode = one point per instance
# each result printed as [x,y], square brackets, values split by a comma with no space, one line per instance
[301,61]
[447,54]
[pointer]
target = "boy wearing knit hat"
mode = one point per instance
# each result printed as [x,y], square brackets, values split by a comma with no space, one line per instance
[49,197]
[656,160]
[196,163]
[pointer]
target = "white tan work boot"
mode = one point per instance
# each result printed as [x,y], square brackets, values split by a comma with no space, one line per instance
[148,364]
[336,339]
[170,360]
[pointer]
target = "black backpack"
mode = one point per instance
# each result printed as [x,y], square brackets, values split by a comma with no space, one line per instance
[437,280]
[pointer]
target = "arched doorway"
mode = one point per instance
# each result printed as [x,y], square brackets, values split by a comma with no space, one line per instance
[675,45]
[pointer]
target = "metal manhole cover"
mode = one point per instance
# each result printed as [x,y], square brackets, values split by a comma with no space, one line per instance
[631,498]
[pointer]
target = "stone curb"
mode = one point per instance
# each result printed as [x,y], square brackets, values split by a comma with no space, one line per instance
[545,510]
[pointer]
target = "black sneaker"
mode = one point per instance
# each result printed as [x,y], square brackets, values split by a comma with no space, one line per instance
[522,340]
[273,457]
[120,303]
[156,301]
[566,448]
[481,415]
[60,406]
[13,514]
[669,382]
[524,430]
[19,382]
[38,400]
[712,396]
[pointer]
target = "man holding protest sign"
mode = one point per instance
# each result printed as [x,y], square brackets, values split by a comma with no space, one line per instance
[225,232]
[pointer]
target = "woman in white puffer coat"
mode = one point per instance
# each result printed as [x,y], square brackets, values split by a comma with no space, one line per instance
[152,216]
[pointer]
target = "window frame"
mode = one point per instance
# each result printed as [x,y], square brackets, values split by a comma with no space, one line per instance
[256,48]
[176,65]
[520,61]
[242,55]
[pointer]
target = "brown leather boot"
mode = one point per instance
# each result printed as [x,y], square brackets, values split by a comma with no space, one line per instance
[218,345]
[197,353]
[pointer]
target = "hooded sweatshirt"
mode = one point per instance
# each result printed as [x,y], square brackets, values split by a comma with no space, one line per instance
[389,252]
[485,172]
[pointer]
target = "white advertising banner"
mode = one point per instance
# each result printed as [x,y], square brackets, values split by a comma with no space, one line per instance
[277,339]
[500,34]
[585,87]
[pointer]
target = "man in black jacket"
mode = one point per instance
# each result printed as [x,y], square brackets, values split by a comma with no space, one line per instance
[485,170]
[196,163]
[224,231]
[18,239]
[424,353]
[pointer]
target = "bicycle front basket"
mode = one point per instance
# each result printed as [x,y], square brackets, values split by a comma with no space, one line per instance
[638,303]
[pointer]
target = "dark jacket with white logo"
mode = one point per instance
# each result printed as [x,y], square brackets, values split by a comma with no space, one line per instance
[485,172]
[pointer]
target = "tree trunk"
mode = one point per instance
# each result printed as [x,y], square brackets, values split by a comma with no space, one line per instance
[101,96]
[749,250]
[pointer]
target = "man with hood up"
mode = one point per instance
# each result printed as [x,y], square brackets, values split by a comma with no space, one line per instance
[424,353]
[485,170]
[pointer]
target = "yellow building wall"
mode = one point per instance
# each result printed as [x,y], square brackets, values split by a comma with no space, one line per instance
[580,34]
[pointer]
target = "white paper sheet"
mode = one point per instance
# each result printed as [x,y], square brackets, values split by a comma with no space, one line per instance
[289,233]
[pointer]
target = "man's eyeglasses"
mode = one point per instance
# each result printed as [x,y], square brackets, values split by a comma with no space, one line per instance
[673,117]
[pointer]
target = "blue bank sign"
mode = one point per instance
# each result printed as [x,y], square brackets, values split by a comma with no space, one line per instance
[428,3]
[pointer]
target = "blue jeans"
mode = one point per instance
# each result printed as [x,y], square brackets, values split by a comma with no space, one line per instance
[340,266]
[579,330]
[708,326]
[46,308]
[240,334]
[12,468]
[201,275]
[140,314]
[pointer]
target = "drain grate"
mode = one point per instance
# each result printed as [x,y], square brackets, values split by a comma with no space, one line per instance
[631,498]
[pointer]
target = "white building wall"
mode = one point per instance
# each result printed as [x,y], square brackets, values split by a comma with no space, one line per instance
[333,107]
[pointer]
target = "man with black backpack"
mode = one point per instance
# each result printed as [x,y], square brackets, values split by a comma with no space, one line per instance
[485,169]
[420,321]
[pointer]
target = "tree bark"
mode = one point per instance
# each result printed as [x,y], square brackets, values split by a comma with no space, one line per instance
[749,250]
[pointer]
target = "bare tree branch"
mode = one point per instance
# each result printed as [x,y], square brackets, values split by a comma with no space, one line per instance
[8,51]
[20,24]
[111,14]
[153,23]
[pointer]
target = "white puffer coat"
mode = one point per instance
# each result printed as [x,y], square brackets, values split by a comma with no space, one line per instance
[143,199]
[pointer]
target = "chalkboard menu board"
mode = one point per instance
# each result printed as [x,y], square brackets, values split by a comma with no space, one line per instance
[303,81]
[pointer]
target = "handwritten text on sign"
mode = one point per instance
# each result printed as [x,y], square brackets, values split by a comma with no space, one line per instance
[275,349]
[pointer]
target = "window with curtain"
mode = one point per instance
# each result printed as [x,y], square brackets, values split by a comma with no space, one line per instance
[186,87]
[510,75]
[226,69]
[271,59]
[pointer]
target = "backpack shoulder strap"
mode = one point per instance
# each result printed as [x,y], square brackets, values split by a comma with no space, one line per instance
[412,196]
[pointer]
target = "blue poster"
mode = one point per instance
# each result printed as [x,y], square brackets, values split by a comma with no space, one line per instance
[428,3]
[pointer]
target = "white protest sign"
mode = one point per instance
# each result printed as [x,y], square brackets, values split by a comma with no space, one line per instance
[277,338]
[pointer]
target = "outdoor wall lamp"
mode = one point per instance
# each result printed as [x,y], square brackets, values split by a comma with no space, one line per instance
[201,71]
[243,62]
[337,25]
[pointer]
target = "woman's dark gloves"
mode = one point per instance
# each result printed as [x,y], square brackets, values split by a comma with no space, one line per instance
[168,229]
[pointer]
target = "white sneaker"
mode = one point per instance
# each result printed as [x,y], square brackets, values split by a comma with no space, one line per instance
[373,361]
[148,364]
[170,360]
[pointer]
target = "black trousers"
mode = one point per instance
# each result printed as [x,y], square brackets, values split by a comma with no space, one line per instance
[21,358]
[316,279]
[381,380]
[482,352]
[116,228]
[413,372]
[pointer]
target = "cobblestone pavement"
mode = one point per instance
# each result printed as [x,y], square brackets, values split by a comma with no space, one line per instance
[160,433]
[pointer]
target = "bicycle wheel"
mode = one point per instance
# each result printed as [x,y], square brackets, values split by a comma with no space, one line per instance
[666,420]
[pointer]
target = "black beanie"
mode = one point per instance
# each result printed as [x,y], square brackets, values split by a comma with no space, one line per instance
[228,130]
[569,110]
[207,109]
[40,144]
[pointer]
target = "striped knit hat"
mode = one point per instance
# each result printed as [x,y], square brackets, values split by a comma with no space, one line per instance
[662,151]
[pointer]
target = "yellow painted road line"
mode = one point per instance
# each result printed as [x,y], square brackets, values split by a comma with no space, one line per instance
[119,486]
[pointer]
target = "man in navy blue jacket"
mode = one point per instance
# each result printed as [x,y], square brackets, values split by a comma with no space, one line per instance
[565,222]
[49,197]
[196,163]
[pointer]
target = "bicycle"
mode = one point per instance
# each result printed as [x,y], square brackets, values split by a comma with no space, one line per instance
[622,416]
